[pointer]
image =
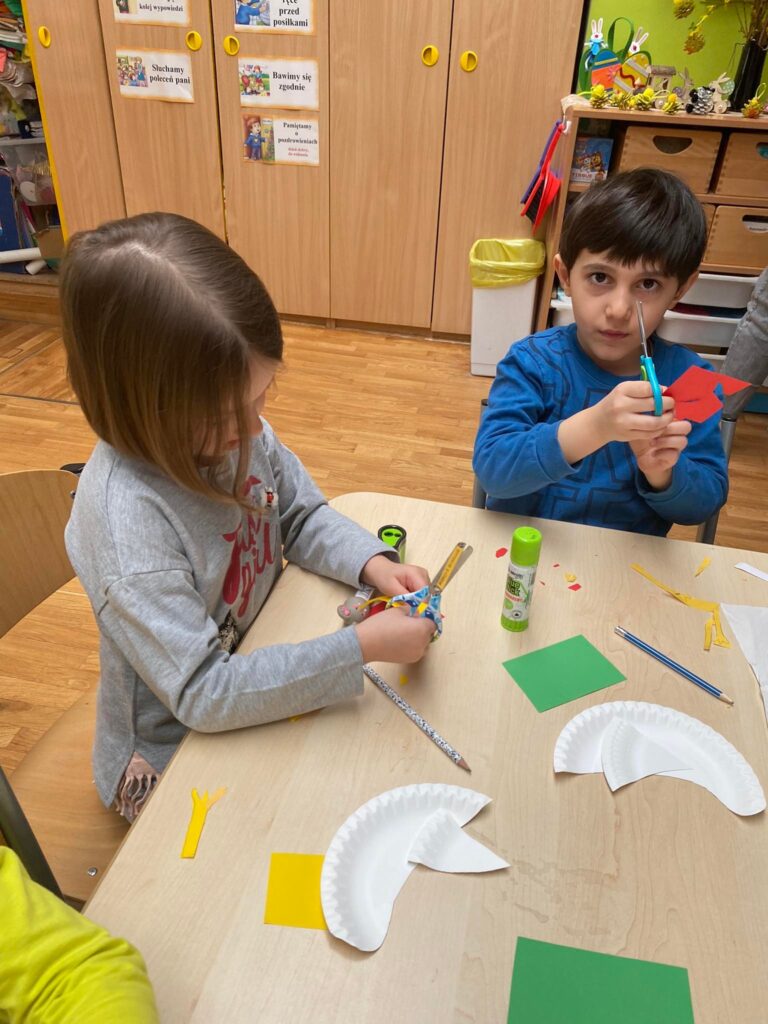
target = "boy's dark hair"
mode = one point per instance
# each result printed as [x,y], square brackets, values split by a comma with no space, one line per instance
[645,214]
[161,323]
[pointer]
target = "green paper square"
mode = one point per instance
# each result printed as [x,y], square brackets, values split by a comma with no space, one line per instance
[562,672]
[563,985]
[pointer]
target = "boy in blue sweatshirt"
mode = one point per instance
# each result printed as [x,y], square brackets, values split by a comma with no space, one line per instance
[567,433]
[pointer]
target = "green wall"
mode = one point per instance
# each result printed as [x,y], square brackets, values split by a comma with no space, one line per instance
[667,35]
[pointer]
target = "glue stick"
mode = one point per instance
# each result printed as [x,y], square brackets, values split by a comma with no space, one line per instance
[521,575]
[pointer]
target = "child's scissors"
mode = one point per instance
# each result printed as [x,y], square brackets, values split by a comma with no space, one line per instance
[647,369]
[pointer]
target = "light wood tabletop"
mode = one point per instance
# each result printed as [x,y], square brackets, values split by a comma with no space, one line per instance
[659,870]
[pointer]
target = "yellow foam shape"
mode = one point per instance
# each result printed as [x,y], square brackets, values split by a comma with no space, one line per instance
[200,807]
[293,891]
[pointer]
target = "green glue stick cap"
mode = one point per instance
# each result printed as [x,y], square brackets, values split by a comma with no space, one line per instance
[526,546]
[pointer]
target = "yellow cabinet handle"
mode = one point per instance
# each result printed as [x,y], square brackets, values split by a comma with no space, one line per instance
[468,60]
[193,40]
[430,55]
[231,45]
[44,35]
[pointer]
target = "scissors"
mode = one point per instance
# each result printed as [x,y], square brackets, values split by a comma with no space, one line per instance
[647,369]
[426,600]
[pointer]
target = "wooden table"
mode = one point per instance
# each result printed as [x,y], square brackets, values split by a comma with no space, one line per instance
[659,870]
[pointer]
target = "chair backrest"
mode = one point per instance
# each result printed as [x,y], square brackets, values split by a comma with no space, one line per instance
[34,509]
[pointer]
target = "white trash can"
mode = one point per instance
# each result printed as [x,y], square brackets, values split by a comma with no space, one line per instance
[504,283]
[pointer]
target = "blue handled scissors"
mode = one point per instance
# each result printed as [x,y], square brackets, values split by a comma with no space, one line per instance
[647,369]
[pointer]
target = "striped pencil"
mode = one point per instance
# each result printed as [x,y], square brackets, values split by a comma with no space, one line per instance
[416,718]
[713,690]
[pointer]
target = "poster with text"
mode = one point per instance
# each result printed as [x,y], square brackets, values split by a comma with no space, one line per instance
[270,139]
[152,12]
[278,82]
[276,16]
[155,75]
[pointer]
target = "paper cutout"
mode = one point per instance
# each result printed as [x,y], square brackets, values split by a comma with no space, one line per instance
[570,577]
[562,672]
[500,552]
[713,626]
[694,393]
[750,626]
[627,755]
[200,807]
[293,891]
[746,567]
[575,586]
[710,760]
[553,984]
[367,864]
[403,680]
[705,562]
[443,845]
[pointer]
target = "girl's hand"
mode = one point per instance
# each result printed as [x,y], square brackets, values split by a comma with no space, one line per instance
[393,635]
[390,578]
[623,414]
[657,458]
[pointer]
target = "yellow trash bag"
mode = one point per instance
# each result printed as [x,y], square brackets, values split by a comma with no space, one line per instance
[495,263]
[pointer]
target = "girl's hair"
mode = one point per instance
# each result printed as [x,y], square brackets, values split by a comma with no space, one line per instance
[161,320]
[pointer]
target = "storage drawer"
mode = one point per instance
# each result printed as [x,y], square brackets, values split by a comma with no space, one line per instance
[733,291]
[688,153]
[739,238]
[745,166]
[689,329]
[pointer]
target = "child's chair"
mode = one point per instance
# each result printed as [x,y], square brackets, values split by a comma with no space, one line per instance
[707,530]
[53,798]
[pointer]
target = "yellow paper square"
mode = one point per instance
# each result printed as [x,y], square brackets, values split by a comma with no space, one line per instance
[293,890]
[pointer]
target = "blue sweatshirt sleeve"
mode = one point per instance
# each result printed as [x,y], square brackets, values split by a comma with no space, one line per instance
[699,483]
[516,452]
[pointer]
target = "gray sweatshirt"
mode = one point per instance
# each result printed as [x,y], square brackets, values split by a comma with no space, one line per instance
[175,579]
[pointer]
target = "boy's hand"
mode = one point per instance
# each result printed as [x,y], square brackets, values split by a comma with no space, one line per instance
[393,635]
[623,414]
[657,458]
[391,578]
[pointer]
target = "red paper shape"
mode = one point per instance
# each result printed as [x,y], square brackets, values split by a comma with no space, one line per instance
[575,586]
[501,552]
[694,393]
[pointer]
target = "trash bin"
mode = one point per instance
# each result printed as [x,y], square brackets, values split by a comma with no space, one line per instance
[504,283]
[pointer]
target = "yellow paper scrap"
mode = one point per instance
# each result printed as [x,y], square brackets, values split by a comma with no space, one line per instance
[703,566]
[293,891]
[709,625]
[720,639]
[403,680]
[570,577]
[200,807]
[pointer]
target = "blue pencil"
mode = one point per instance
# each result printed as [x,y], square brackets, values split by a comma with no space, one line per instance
[674,665]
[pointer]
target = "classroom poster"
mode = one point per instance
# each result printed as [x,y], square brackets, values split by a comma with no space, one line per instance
[270,139]
[155,75]
[276,16]
[276,82]
[152,12]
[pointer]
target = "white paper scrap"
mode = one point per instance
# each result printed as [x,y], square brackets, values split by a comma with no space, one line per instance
[750,627]
[746,567]
[442,844]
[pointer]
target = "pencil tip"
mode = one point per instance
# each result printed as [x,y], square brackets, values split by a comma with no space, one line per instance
[463,764]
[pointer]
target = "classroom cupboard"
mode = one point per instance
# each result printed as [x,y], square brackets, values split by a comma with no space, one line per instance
[429,119]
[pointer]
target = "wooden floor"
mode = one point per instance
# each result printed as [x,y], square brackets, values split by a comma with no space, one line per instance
[363,411]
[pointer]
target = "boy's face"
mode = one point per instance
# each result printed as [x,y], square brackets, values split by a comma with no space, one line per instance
[604,293]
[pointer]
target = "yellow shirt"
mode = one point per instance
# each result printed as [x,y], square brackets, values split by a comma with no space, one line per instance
[57,967]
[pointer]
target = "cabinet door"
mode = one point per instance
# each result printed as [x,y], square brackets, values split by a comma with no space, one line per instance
[387,119]
[169,149]
[499,116]
[277,212]
[79,131]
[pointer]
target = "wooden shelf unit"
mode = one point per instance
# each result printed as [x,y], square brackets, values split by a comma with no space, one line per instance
[578,111]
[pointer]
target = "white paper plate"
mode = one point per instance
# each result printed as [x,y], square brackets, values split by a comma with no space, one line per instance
[711,761]
[628,755]
[367,862]
[443,845]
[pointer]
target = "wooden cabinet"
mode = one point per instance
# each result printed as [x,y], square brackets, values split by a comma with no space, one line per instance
[77,113]
[498,118]
[277,214]
[387,118]
[169,151]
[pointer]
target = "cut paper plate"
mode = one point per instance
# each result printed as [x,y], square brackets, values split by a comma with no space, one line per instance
[367,863]
[443,845]
[627,755]
[710,760]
